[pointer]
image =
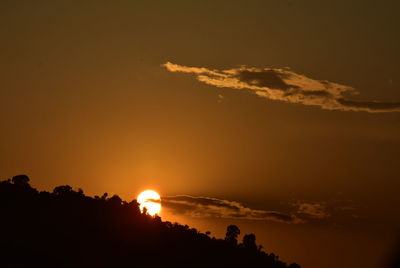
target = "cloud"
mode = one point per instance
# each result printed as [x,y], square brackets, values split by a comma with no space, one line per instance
[312,210]
[285,85]
[217,208]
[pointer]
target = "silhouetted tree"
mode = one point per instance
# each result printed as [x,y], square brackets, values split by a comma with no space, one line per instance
[115,200]
[144,211]
[21,180]
[62,190]
[249,241]
[232,232]
[104,196]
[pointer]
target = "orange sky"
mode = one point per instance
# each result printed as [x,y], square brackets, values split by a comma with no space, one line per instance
[86,101]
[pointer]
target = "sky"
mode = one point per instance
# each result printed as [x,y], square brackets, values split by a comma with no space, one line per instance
[280,116]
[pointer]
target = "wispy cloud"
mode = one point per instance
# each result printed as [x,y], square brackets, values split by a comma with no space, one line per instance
[285,85]
[219,208]
[312,210]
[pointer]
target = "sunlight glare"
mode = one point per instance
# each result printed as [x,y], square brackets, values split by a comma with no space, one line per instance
[150,200]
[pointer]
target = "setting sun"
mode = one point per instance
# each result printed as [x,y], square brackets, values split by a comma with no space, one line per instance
[150,200]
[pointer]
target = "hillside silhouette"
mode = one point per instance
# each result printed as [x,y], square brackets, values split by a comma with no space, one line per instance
[66,228]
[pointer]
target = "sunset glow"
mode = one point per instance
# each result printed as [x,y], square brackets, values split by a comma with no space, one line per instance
[150,200]
[278,117]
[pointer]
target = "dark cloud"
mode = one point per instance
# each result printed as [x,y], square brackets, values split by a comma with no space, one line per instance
[218,208]
[375,105]
[312,210]
[266,78]
[286,85]
[319,93]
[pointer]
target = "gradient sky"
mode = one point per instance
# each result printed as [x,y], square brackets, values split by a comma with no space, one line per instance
[86,100]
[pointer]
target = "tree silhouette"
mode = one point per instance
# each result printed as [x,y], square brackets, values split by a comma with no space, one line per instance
[21,180]
[62,190]
[115,200]
[249,241]
[66,228]
[232,232]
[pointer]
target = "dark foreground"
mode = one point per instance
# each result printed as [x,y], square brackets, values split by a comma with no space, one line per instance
[65,228]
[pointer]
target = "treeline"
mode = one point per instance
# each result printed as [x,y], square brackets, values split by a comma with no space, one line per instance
[66,228]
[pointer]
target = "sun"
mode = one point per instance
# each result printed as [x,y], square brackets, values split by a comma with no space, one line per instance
[150,200]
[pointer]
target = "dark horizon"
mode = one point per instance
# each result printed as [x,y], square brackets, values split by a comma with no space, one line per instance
[75,230]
